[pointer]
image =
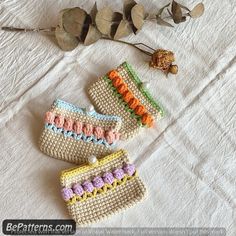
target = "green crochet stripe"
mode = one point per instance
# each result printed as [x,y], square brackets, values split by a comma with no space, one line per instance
[138,82]
[116,93]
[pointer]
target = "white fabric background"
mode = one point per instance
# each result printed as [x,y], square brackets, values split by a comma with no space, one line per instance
[187,162]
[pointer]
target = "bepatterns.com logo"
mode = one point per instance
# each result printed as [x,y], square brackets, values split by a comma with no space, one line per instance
[38,227]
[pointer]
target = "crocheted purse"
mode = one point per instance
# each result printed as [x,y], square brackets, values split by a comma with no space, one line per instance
[73,134]
[101,188]
[121,93]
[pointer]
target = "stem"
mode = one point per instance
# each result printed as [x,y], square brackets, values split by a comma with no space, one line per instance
[133,45]
[14,29]
[145,46]
[52,29]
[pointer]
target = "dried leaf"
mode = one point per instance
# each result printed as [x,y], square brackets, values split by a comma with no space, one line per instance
[162,9]
[197,11]
[183,19]
[176,12]
[137,16]
[93,12]
[184,7]
[169,13]
[117,17]
[127,7]
[104,20]
[115,23]
[61,16]
[162,22]
[123,30]
[66,41]
[73,21]
[85,29]
[92,36]
[108,21]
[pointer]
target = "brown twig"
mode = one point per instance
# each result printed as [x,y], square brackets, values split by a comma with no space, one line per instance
[133,45]
[14,29]
[52,29]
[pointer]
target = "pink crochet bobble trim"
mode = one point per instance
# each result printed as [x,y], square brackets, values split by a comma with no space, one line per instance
[78,127]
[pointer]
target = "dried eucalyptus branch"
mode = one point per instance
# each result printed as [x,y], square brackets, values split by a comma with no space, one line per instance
[77,26]
[14,29]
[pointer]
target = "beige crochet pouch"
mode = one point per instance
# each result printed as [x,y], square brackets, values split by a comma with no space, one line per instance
[122,93]
[73,134]
[101,188]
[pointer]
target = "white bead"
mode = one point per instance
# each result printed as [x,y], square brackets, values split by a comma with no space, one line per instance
[90,108]
[145,85]
[92,159]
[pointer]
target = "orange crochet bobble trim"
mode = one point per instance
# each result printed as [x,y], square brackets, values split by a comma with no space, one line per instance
[113,74]
[122,88]
[133,103]
[127,96]
[147,120]
[117,81]
[140,110]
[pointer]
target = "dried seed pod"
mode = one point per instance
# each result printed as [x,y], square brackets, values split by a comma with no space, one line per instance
[162,60]
[173,69]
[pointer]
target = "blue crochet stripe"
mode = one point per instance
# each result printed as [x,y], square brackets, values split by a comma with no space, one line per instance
[81,136]
[70,107]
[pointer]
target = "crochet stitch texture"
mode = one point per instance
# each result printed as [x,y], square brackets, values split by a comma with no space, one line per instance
[122,93]
[73,134]
[95,192]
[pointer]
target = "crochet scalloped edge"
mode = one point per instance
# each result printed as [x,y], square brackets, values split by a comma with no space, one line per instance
[102,190]
[70,107]
[78,136]
[116,93]
[86,167]
[144,91]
